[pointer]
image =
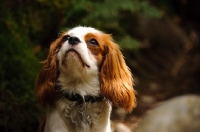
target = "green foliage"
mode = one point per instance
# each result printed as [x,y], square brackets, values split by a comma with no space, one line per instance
[116,17]
[18,71]
[26,25]
[128,42]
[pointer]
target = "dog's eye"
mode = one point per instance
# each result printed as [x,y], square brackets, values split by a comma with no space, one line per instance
[65,38]
[93,42]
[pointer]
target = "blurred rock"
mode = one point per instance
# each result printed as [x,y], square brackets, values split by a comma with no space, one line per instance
[147,99]
[180,114]
[120,113]
[120,127]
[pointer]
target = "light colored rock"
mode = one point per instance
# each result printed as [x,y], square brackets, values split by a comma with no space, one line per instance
[180,114]
[120,127]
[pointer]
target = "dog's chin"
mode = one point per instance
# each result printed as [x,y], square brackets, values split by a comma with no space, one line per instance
[73,61]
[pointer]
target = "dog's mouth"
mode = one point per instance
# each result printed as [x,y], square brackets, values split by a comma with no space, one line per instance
[75,53]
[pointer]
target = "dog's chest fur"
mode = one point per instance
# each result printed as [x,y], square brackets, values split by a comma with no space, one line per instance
[86,117]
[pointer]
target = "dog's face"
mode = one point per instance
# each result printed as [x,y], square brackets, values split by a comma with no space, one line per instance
[80,53]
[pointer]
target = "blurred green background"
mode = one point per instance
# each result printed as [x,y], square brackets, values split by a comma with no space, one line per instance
[160,40]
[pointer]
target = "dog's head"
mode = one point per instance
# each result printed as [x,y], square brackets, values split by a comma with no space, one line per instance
[84,51]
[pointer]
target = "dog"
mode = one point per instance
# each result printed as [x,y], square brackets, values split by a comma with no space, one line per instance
[83,76]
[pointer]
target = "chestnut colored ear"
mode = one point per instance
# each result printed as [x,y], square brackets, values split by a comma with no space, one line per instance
[45,87]
[117,81]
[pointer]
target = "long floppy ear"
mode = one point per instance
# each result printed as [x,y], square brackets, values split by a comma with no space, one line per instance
[46,81]
[117,81]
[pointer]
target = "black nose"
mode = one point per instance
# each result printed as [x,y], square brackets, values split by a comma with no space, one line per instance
[74,40]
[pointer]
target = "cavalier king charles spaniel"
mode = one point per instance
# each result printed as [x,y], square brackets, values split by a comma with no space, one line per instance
[83,76]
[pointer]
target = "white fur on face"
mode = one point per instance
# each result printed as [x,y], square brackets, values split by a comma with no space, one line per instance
[78,67]
[73,62]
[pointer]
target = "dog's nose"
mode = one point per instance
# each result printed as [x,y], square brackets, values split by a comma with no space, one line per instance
[74,40]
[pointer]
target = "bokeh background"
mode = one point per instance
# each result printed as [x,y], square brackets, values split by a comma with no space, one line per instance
[160,41]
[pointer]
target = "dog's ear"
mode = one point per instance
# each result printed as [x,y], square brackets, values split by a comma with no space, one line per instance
[46,81]
[117,81]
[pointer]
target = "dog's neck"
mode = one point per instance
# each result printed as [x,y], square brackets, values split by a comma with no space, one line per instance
[79,99]
[85,85]
[92,115]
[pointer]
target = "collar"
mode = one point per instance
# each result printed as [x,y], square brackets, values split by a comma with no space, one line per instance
[78,98]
